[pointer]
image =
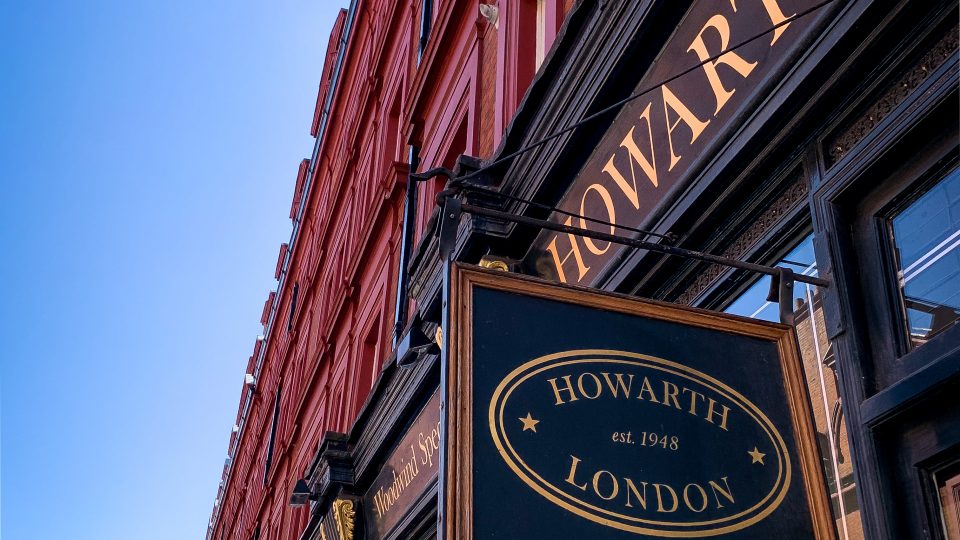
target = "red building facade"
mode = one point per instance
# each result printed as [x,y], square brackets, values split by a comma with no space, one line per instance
[418,83]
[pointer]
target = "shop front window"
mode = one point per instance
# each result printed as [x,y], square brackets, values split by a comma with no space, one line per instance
[926,235]
[819,364]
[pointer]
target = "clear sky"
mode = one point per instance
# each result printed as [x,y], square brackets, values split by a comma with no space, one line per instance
[148,153]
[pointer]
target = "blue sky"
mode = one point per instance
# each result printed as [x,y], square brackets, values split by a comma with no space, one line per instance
[148,152]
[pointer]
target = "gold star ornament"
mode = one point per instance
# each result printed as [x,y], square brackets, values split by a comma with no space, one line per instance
[529,423]
[756,456]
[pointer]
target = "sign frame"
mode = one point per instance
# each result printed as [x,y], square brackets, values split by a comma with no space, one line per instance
[457,380]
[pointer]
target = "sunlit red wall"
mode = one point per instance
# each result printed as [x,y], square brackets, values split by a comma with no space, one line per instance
[326,349]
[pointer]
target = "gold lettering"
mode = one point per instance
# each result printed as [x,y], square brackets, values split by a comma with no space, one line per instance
[703,497]
[631,488]
[567,388]
[670,391]
[719,23]
[645,387]
[648,166]
[379,505]
[573,473]
[775,12]
[671,101]
[403,478]
[723,415]
[693,399]
[611,212]
[673,494]
[613,483]
[727,493]
[596,383]
[574,250]
[615,388]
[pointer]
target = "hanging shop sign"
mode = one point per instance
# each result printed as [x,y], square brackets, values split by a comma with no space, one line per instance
[407,475]
[576,414]
[659,140]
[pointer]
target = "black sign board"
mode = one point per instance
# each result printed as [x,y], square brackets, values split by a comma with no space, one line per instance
[407,475]
[658,143]
[576,414]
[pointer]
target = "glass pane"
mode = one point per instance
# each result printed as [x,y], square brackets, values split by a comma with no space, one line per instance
[927,235]
[819,365]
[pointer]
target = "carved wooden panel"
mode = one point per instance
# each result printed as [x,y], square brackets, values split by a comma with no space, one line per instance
[795,195]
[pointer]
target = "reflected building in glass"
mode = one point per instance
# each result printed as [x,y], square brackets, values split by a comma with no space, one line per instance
[820,368]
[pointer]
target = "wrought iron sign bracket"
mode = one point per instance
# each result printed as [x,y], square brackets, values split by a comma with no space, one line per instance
[782,279]
[449,221]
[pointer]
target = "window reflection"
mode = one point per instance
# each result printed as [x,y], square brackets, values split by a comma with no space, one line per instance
[927,236]
[820,370]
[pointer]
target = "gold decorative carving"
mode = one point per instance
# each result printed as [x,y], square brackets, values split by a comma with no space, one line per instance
[794,195]
[345,516]
[494,264]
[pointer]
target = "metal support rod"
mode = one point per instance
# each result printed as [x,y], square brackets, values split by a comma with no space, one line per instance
[641,244]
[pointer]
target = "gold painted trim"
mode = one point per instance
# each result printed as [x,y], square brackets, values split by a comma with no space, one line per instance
[458,506]
[495,418]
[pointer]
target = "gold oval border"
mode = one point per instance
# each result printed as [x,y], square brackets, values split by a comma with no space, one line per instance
[495,417]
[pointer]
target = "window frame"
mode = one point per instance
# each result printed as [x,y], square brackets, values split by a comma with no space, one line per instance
[889,356]
[921,128]
[929,180]
[273,436]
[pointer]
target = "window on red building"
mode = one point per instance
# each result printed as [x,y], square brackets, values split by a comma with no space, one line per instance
[426,24]
[273,436]
[392,135]
[526,32]
[338,419]
[549,15]
[371,355]
[430,188]
[293,306]
[368,362]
